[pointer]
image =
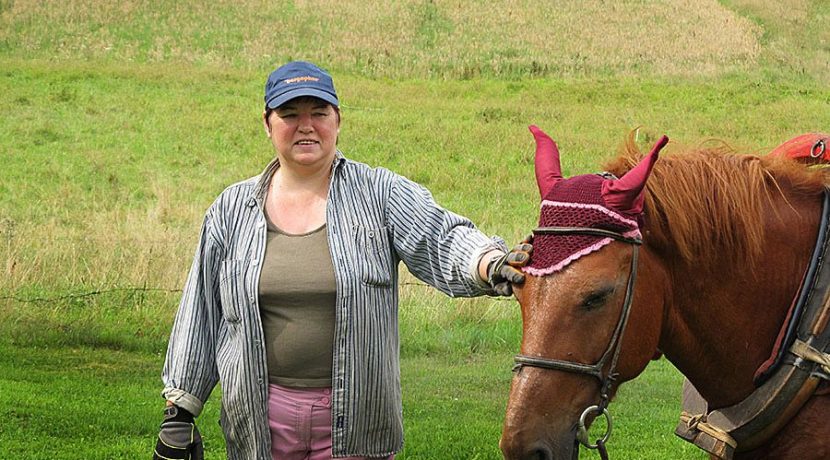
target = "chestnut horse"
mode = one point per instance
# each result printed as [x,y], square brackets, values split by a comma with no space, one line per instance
[718,243]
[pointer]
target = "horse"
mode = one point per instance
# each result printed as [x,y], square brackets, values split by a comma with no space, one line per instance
[696,257]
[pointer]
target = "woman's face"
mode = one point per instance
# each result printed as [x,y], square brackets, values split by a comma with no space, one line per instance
[304,132]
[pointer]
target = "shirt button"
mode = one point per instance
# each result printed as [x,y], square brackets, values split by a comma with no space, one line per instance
[325,401]
[254,261]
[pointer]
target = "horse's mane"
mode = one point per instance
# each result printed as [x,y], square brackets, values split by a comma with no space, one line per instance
[706,203]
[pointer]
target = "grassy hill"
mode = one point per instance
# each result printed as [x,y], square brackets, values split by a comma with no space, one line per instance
[433,38]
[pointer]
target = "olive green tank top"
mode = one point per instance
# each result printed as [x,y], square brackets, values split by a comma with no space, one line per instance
[296,299]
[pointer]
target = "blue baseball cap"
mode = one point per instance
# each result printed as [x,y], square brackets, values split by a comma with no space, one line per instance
[296,79]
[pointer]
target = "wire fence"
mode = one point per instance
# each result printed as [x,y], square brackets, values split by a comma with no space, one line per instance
[134,289]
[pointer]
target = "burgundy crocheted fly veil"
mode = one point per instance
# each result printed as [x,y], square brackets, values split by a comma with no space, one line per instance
[589,200]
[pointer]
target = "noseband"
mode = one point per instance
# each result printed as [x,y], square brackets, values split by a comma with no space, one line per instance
[612,352]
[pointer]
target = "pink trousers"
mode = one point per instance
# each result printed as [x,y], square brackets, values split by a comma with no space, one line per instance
[300,423]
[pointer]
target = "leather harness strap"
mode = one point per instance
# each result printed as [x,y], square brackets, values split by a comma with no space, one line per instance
[721,440]
[808,353]
[806,363]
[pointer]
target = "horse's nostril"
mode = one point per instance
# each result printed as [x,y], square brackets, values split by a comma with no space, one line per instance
[541,454]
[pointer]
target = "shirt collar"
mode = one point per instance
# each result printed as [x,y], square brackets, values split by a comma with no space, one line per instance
[257,196]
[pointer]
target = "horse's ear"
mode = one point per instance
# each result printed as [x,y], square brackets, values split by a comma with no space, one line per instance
[626,193]
[548,170]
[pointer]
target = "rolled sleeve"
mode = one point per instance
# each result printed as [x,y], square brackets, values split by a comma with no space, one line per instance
[184,400]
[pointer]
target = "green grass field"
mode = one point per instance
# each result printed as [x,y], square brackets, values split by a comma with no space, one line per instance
[120,122]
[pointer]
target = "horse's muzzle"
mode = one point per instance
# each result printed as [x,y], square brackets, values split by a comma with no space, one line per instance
[538,451]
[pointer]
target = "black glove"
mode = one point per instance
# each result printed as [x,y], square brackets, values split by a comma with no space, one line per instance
[178,438]
[503,271]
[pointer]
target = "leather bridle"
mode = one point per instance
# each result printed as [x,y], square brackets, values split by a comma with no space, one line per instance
[611,353]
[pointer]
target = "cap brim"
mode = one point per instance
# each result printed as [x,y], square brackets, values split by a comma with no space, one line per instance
[277,101]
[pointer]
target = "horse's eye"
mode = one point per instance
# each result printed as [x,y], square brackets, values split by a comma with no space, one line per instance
[597,298]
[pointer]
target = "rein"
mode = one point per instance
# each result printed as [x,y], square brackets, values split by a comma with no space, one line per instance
[612,352]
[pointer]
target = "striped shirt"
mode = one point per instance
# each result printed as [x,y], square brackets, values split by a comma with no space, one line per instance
[375,219]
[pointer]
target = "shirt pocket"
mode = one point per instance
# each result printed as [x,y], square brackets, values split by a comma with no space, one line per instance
[232,288]
[374,255]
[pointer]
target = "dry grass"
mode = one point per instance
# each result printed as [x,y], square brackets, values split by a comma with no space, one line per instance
[796,33]
[412,38]
[130,251]
[794,12]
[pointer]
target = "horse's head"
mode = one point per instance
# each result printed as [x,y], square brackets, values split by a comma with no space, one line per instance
[576,306]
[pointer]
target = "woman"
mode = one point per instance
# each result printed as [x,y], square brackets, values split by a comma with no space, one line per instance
[292,301]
